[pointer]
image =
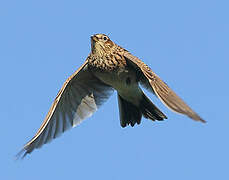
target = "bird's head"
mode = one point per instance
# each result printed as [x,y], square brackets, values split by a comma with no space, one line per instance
[101,44]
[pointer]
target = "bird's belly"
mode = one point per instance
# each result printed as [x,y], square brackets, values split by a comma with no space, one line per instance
[124,81]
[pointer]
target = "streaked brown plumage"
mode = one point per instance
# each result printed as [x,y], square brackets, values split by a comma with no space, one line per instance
[108,67]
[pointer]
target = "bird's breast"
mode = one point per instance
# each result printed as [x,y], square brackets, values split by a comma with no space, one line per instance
[123,80]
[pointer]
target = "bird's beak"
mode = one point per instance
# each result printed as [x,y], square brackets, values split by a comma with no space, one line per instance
[93,41]
[94,38]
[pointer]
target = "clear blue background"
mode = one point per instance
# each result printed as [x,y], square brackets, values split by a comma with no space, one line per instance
[185,42]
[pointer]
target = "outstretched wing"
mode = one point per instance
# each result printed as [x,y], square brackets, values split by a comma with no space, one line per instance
[79,97]
[151,81]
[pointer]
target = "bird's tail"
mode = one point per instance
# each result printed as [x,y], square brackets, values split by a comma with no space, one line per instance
[131,114]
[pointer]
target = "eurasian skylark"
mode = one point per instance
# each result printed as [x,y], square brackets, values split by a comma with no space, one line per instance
[108,67]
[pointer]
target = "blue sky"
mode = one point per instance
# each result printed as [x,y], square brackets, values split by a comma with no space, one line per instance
[185,42]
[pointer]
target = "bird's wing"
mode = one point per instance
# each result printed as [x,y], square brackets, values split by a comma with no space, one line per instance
[151,81]
[80,96]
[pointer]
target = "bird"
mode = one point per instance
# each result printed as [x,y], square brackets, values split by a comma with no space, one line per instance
[108,68]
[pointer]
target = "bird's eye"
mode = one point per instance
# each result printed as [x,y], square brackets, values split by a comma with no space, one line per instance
[104,38]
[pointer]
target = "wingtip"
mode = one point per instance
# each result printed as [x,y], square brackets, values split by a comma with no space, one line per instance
[202,120]
[198,118]
[21,155]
